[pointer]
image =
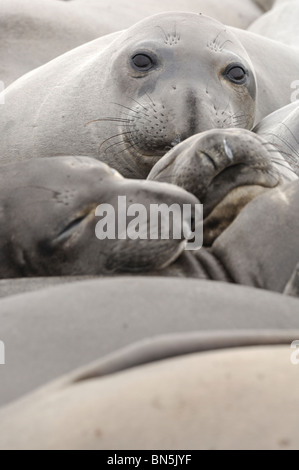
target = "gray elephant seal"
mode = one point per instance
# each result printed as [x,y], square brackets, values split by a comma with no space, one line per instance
[125,101]
[230,399]
[260,248]
[228,168]
[225,169]
[281,130]
[41,345]
[47,213]
[142,84]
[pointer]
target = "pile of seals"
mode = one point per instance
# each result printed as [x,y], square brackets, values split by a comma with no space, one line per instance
[176,109]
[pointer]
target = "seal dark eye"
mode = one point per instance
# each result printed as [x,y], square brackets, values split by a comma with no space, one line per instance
[143,62]
[236,73]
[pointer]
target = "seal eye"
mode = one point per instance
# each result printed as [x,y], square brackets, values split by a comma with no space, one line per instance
[237,74]
[143,62]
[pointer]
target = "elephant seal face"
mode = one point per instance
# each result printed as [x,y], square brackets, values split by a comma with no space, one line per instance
[174,76]
[48,207]
[224,169]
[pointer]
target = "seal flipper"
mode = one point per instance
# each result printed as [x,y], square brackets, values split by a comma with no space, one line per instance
[292,287]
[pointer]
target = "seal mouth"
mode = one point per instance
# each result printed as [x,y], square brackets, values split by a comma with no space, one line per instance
[225,212]
[240,177]
[126,262]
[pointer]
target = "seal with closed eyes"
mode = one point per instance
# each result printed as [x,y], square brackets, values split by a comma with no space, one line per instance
[48,220]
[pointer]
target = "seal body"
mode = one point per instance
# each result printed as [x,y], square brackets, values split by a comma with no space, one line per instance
[169,368]
[37,325]
[261,247]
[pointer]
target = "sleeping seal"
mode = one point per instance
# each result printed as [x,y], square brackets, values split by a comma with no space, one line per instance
[47,214]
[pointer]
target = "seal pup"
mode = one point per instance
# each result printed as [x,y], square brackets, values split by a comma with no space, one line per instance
[48,219]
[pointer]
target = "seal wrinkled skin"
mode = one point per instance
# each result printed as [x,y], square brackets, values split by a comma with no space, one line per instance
[224,169]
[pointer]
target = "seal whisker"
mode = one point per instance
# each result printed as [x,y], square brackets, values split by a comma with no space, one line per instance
[151,102]
[227,106]
[134,111]
[140,104]
[274,148]
[127,148]
[284,142]
[163,31]
[116,135]
[127,107]
[277,162]
[217,37]
[122,134]
[117,120]
[225,42]
[287,127]
[122,142]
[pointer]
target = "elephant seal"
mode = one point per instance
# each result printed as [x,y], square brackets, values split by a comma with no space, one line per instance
[34,32]
[185,402]
[260,248]
[281,129]
[55,330]
[54,242]
[47,213]
[226,169]
[140,94]
[130,113]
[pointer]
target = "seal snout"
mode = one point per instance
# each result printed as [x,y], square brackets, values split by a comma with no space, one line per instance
[224,169]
